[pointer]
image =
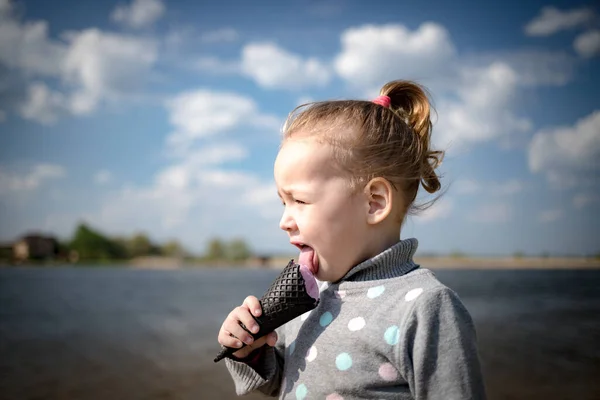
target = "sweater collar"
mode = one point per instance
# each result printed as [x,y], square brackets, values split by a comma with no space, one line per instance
[391,263]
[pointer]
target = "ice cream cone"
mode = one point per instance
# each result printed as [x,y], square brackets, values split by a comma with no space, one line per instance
[293,293]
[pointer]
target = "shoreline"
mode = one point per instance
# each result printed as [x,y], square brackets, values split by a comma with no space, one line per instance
[277,263]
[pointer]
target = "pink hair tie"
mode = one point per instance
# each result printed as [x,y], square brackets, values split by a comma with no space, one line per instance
[384,101]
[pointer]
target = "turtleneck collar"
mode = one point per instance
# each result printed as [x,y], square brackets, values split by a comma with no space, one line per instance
[391,263]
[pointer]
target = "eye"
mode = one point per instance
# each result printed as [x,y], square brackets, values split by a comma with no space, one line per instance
[299,202]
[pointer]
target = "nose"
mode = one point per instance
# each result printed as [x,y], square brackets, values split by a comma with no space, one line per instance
[286,222]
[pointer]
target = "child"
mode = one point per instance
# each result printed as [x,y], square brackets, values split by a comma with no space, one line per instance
[348,173]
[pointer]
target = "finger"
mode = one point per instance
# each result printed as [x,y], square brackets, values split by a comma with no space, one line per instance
[245,352]
[247,320]
[238,331]
[227,339]
[272,339]
[253,305]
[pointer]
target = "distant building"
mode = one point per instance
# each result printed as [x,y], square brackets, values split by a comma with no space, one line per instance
[35,247]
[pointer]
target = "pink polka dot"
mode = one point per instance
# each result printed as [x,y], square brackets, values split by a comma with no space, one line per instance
[388,372]
[334,396]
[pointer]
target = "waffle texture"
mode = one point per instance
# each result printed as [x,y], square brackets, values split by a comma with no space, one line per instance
[286,299]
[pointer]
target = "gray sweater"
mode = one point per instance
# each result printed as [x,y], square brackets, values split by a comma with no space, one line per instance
[387,330]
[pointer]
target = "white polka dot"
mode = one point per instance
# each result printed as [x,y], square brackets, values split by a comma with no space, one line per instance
[305,315]
[340,294]
[413,294]
[334,396]
[356,324]
[311,354]
[375,291]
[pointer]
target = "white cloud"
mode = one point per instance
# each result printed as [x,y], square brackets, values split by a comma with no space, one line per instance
[550,215]
[563,150]
[194,200]
[538,67]
[483,109]
[102,177]
[42,104]
[105,65]
[469,186]
[26,46]
[372,55]
[140,14]
[222,35]
[215,65]
[552,20]
[588,44]
[582,200]
[476,95]
[507,188]
[273,67]
[13,182]
[439,210]
[89,66]
[226,179]
[466,186]
[491,213]
[203,113]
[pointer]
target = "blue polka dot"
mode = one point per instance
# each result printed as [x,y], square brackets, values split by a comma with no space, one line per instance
[343,361]
[292,347]
[375,291]
[326,319]
[391,335]
[301,391]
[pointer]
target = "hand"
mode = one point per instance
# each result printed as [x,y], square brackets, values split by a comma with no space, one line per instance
[232,334]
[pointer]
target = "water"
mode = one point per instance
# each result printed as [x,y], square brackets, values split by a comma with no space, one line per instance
[97,333]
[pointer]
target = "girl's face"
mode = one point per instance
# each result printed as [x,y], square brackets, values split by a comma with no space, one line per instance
[321,211]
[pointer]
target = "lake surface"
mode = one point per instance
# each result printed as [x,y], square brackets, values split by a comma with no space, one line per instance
[116,333]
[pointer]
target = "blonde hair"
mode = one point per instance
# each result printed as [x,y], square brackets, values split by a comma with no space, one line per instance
[371,141]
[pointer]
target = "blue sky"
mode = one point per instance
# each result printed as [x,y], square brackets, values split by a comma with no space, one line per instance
[164,117]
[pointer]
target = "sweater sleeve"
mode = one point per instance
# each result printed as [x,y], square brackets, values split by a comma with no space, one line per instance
[263,375]
[438,349]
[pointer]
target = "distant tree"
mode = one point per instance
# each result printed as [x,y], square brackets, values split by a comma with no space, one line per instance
[92,245]
[141,245]
[173,249]
[518,254]
[238,250]
[215,250]
[457,254]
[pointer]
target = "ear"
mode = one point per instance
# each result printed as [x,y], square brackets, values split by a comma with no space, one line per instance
[379,196]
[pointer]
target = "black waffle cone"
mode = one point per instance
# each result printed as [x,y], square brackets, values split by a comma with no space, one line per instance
[285,300]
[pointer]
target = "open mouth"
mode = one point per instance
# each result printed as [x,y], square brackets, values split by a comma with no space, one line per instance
[308,257]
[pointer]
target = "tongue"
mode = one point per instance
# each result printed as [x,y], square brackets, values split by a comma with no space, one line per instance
[306,258]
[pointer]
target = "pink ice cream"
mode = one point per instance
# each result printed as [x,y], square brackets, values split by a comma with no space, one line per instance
[309,282]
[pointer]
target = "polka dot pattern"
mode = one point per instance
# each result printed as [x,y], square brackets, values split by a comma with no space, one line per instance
[325,319]
[356,324]
[375,291]
[334,396]
[301,391]
[343,361]
[391,335]
[413,294]
[311,354]
[387,372]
